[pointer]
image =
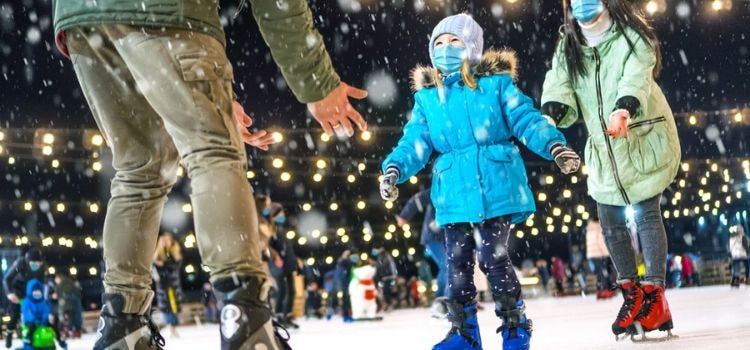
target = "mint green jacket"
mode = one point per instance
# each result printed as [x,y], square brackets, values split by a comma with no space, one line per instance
[286,26]
[621,171]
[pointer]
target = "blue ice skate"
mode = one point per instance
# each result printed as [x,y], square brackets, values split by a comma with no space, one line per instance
[516,328]
[464,334]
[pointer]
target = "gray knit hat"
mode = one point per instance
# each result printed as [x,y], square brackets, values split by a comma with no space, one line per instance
[466,29]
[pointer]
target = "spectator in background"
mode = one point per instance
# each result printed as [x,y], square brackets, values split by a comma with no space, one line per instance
[558,274]
[341,286]
[385,277]
[738,248]
[432,237]
[210,309]
[599,261]
[313,301]
[24,269]
[424,272]
[167,263]
[676,271]
[576,269]
[69,308]
[687,270]
[284,253]
[36,312]
[543,271]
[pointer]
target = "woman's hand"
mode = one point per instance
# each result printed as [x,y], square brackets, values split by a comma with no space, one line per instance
[618,123]
[260,139]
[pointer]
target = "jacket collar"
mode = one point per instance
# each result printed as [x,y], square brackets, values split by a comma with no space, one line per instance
[492,62]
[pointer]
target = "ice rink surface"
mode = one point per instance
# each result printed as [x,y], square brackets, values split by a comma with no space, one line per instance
[705,318]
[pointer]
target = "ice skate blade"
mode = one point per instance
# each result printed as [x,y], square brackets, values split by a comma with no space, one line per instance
[644,339]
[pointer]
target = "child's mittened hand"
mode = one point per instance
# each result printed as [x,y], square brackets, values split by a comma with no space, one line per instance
[566,159]
[618,123]
[388,189]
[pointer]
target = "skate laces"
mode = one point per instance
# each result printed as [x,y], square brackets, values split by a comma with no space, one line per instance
[627,306]
[157,340]
[283,338]
[649,300]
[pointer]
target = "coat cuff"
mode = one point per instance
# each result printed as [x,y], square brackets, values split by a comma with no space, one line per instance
[556,110]
[628,103]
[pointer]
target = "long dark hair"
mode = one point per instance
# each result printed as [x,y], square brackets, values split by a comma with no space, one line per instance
[623,15]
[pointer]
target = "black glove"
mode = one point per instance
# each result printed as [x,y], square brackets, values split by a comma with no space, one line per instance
[388,189]
[565,158]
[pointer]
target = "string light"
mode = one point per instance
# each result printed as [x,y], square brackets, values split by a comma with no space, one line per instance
[361,205]
[47,150]
[325,137]
[351,178]
[187,208]
[366,135]
[306,207]
[291,234]
[334,206]
[317,177]
[250,174]
[60,207]
[285,176]
[277,136]
[389,205]
[28,206]
[97,140]
[277,163]
[542,196]
[96,166]
[48,138]
[94,208]
[321,164]
[55,163]
[361,166]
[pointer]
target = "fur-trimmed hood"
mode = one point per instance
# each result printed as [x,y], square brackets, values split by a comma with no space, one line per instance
[493,62]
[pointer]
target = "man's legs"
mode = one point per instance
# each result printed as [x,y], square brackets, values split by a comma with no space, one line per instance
[144,158]
[187,79]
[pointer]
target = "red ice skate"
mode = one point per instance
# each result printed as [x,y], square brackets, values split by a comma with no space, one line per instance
[631,308]
[655,313]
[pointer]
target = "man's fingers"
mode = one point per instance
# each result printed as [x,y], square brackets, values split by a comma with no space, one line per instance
[346,125]
[356,117]
[355,93]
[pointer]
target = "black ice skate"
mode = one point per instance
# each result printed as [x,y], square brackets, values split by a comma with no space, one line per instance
[119,331]
[246,322]
[735,282]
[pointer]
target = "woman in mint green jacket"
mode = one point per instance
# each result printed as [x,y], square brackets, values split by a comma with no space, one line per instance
[604,70]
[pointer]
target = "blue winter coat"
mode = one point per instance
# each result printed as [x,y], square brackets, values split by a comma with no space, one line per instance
[478,173]
[35,311]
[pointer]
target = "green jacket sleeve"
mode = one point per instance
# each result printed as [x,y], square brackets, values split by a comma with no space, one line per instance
[296,47]
[638,75]
[558,88]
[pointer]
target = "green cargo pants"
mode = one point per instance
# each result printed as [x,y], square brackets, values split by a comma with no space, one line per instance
[161,96]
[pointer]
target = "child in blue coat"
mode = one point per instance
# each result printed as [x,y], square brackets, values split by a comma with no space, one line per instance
[35,310]
[466,110]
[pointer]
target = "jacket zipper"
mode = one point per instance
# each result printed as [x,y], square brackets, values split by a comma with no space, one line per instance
[610,153]
[468,118]
[647,122]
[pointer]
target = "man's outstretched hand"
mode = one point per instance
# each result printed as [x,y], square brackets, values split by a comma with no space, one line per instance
[334,111]
[260,139]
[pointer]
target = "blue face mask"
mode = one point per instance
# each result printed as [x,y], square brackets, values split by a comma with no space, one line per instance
[35,266]
[354,258]
[448,58]
[280,219]
[37,295]
[266,212]
[585,10]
